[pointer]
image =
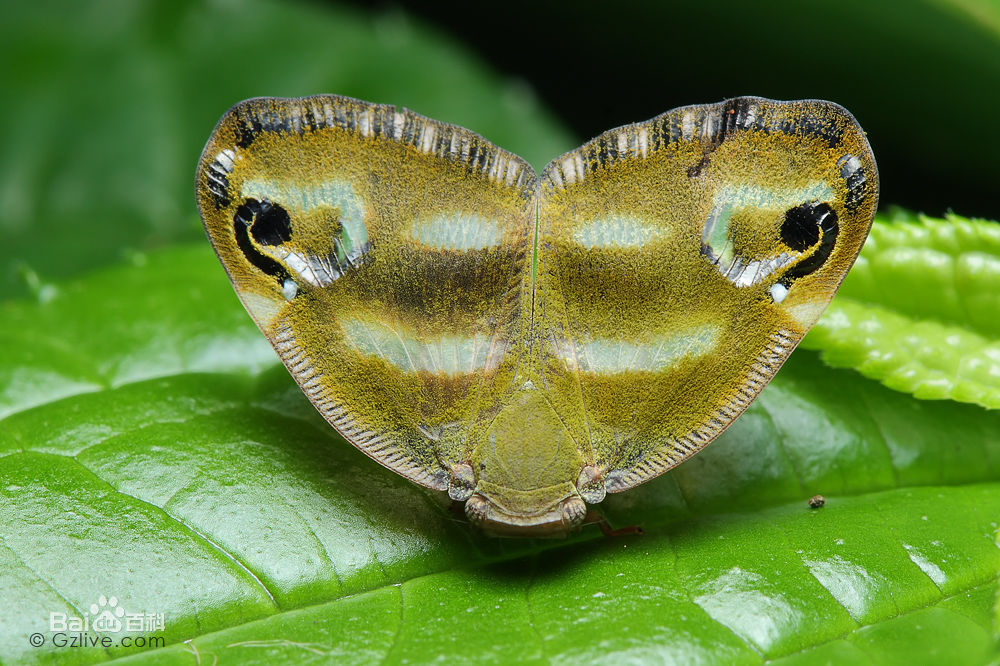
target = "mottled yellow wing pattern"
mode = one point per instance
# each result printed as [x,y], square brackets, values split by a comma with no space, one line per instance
[386,256]
[532,343]
[682,259]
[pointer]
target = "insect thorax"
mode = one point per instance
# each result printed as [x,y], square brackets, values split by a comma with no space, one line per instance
[524,469]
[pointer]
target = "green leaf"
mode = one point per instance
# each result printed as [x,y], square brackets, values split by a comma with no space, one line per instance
[152,449]
[920,310]
[107,106]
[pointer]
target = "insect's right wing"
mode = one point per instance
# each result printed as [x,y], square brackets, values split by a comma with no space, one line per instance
[680,261]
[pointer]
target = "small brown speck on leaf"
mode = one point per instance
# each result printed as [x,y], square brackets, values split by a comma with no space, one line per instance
[816,501]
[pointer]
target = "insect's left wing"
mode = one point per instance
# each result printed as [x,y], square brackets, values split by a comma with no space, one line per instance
[682,259]
[384,256]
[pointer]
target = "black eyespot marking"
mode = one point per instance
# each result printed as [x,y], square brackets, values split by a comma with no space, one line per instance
[272,225]
[247,218]
[799,230]
[816,221]
[268,223]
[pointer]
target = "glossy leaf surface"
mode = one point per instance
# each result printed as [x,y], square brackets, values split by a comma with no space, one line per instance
[938,336]
[202,485]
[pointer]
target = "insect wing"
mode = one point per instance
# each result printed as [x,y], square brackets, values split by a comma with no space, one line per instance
[681,260]
[386,258]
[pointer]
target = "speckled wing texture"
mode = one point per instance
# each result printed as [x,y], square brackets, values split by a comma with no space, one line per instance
[682,259]
[386,256]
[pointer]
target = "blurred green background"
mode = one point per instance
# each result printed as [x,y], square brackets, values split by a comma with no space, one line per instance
[922,76]
[106,104]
